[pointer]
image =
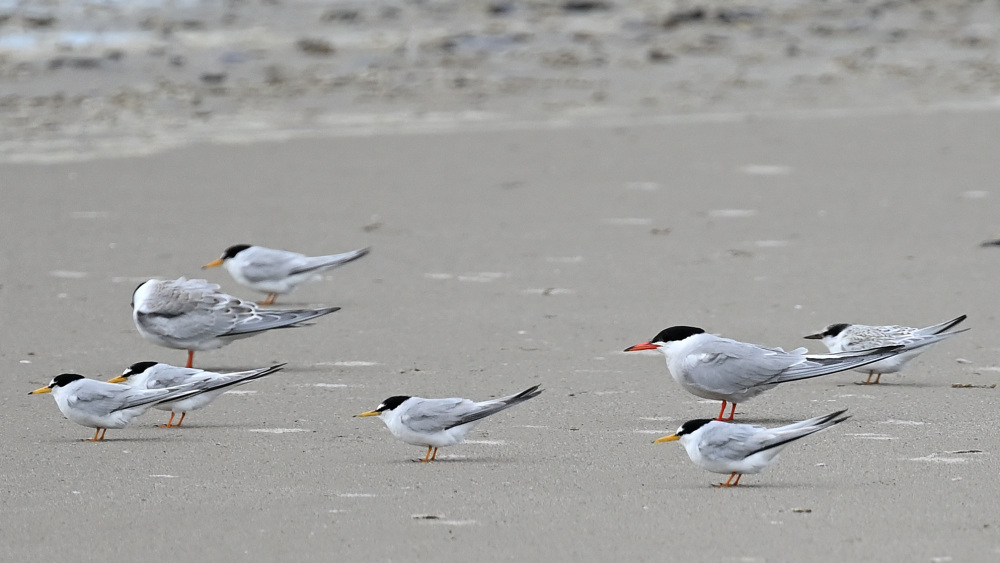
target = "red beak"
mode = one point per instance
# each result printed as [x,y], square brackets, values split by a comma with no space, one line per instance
[643,346]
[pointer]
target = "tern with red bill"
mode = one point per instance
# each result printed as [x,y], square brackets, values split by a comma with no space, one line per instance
[730,371]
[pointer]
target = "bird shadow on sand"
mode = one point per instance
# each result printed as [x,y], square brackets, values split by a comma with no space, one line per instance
[457,459]
[764,421]
[110,440]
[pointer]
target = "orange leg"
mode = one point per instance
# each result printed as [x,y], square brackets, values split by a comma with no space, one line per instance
[190,358]
[96,432]
[169,422]
[428,456]
[433,457]
[877,378]
[729,482]
[270,299]
[722,411]
[732,412]
[181,421]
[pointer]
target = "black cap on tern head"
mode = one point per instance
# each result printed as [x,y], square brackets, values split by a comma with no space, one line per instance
[834,330]
[234,250]
[137,368]
[676,333]
[690,426]
[391,403]
[64,379]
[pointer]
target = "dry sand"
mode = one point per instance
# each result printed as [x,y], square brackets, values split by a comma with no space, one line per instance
[508,254]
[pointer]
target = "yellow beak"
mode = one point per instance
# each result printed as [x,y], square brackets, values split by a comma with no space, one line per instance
[119,379]
[41,390]
[213,264]
[369,413]
[670,438]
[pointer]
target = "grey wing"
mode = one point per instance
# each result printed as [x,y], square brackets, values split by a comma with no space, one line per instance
[100,399]
[327,262]
[728,366]
[189,309]
[271,264]
[252,319]
[435,415]
[172,376]
[731,442]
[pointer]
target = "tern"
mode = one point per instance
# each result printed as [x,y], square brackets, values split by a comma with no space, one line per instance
[436,423]
[277,272]
[844,337]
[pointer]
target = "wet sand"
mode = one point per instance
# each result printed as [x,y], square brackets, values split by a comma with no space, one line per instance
[503,259]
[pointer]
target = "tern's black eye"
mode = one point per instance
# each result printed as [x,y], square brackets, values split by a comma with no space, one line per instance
[234,250]
[676,333]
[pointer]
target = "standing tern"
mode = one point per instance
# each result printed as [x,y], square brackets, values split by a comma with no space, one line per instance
[194,315]
[844,337]
[102,405]
[739,449]
[730,371]
[153,375]
[277,272]
[437,423]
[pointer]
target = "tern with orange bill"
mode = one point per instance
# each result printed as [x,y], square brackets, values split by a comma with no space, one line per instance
[730,371]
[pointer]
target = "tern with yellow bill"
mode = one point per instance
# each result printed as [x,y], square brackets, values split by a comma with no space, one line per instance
[740,449]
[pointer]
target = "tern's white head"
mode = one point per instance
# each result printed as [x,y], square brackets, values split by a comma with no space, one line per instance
[686,432]
[831,336]
[387,407]
[228,254]
[58,381]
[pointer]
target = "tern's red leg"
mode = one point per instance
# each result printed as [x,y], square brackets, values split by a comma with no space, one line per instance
[190,358]
[732,412]
[169,422]
[428,456]
[722,411]
[270,299]
[728,482]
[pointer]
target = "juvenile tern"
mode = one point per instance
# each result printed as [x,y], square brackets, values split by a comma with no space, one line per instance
[739,449]
[102,405]
[730,371]
[844,337]
[194,315]
[277,272]
[437,423]
[153,375]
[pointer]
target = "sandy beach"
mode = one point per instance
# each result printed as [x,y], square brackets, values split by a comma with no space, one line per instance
[523,245]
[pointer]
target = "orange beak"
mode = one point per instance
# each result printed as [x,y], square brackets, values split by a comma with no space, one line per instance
[643,346]
[213,264]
